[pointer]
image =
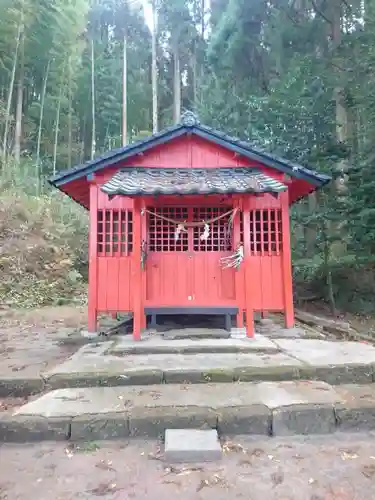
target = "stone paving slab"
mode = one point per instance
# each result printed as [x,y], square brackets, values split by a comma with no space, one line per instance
[89,369]
[324,352]
[333,362]
[299,407]
[156,345]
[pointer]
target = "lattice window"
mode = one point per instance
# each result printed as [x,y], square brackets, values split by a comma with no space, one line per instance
[265,232]
[115,232]
[220,231]
[162,233]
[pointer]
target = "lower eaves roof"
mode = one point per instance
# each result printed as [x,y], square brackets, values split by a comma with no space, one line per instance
[142,181]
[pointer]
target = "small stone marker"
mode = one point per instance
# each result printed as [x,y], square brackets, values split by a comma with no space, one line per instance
[192,445]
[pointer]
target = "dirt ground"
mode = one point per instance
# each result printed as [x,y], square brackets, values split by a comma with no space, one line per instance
[320,468]
[28,339]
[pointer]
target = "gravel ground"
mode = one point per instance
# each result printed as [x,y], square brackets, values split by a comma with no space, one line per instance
[338,467]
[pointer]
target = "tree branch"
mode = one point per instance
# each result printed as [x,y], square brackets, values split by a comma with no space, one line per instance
[319,12]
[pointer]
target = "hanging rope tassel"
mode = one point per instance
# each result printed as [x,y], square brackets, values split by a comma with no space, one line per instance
[179,229]
[206,233]
[234,260]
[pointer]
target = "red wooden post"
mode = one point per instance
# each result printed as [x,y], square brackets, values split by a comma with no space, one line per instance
[287,262]
[137,270]
[144,230]
[93,259]
[247,263]
[239,282]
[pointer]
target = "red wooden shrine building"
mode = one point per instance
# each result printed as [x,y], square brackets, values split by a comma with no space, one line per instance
[189,221]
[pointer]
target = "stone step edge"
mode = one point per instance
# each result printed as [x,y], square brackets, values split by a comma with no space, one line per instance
[144,349]
[333,375]
[151,422]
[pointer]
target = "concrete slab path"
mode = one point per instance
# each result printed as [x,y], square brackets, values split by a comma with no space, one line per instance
[266,408]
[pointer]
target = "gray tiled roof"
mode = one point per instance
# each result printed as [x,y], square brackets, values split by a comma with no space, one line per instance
[137,181]
[190,125]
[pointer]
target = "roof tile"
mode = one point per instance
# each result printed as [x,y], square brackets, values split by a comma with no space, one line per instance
[137,181]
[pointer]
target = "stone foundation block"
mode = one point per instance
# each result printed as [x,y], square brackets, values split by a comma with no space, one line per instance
[266,373]
[23,429]
[20,388]
[255,419]
[191,445]
[104,427]
[303,419]
[337,375]
[153,422]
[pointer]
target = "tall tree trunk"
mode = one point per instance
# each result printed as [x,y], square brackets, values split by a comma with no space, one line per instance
[39,141]
[19,103]
[10,95]
[57,122]
[70,117]
[194,75]
[154,73]
[311,230]
[176,84]
[125,92]
[203,21]
[93,133]
[342,123]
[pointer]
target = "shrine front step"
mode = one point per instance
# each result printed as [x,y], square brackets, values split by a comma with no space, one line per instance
[265,408]
[100,365]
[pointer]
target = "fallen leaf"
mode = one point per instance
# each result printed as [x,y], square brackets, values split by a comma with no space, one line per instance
[155,456]
[277,478]
[349,456]
[369,471]
[212,481]
[104,489]
[245,461]
[257,452]
[202,484]
[104,465]
[229,446]
[182,471]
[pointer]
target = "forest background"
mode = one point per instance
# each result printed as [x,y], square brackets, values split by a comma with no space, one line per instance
[79,77]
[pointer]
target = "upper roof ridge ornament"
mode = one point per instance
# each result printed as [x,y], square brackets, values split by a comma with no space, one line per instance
[189,119]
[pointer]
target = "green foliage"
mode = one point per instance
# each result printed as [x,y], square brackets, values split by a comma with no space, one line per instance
[43,243]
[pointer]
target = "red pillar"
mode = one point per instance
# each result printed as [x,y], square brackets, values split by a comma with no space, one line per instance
[239,282]
[137,270]
[287,262]
[144,230]
[93,259]
[247,265]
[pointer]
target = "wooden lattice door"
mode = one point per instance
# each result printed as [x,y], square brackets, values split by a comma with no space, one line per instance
[186,270]
[168,268]
[212,285]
